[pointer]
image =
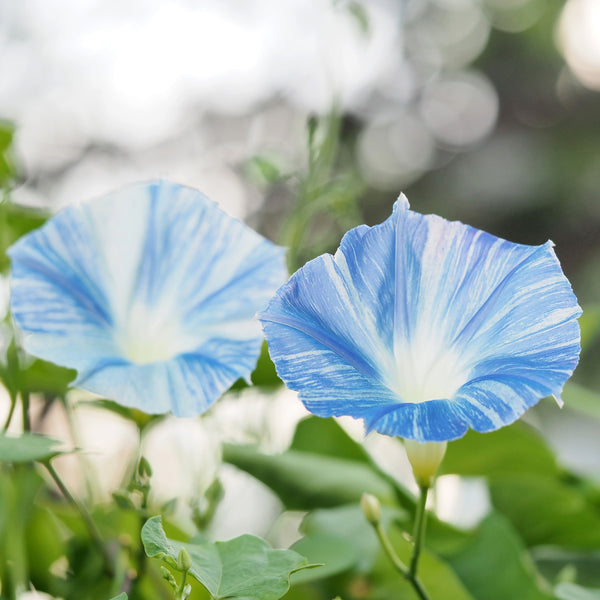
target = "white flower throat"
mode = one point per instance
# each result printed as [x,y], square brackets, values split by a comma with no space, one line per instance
[151,334]
[426,369]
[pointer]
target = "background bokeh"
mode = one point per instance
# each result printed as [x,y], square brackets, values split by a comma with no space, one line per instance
[482,110]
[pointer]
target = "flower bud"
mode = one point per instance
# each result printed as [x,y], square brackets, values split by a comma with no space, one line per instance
[371,508]
[425,459]
[168,576]
[144,468]
[184,560]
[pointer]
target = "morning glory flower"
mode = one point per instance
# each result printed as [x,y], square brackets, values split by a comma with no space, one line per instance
[425,328]
[149,293]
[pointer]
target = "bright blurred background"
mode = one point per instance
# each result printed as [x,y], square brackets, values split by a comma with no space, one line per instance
[483,110]
[307,117]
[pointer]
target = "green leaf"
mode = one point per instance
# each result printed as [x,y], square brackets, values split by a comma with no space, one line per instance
[16,221]
[326,437]
[514,449]
[436,574]
[43,531]
[19,490]
[548,511]
[28,447]
[121,596]
[46,377]
[7,166]
[582,400]
[495,566]
[303,480]
[340,538]
[571,591]
[140,418]
[265,375]
[263,170]
[589,323]
[245,567]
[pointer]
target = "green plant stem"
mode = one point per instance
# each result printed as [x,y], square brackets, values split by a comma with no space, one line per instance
[87,519]
[11,411]
[399,565]
[419,531]
[25,405]
[179,594]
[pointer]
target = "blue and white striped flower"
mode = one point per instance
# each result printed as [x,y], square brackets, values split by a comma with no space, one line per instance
[424,328]
[149,293]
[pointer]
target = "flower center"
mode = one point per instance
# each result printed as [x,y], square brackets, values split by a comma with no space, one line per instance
[150,335]
[427,371]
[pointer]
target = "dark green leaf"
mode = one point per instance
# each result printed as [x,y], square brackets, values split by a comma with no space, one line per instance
[16,221]
[7,166]
[514,449]
[589,323]
[265,375]
[343,540]
[245,567]
[45,377]
[495,566]
[140,418]
[547,510]
[19,489]
[304,481]
[326,437]
[340,538]
[437,575]
[28,447]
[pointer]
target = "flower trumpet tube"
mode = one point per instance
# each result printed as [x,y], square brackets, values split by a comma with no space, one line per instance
[149,293]
[425,459]
[425,328]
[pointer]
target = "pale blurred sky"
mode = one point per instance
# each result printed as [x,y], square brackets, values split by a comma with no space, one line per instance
[104,92]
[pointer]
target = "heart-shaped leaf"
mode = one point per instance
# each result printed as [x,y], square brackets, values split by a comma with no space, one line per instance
[246,567]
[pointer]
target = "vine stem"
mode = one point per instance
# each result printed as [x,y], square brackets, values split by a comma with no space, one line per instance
[181,589]
[13,404]
[419,531]
[86,517]
[399,565]
[25,406]
[408,572]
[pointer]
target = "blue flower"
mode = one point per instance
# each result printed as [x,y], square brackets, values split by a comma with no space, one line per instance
[149,293]
[424,328]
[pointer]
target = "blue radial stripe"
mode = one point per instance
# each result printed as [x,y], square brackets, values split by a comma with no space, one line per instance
[320,302]
[368,273]
[489,304]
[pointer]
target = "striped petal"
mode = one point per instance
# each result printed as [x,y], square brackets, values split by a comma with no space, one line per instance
[424,328]
[149,293]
